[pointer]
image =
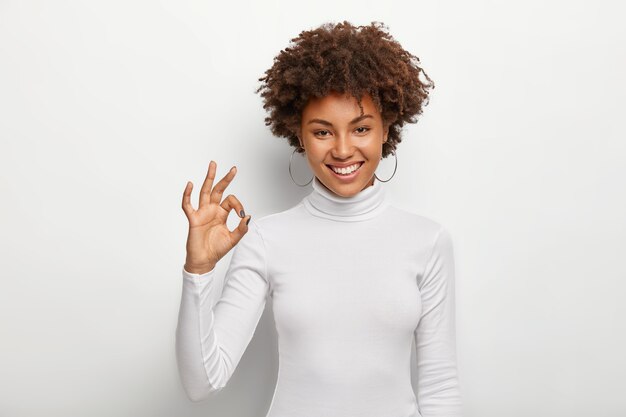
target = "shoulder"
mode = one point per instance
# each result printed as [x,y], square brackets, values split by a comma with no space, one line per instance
[273,222]
[416,224]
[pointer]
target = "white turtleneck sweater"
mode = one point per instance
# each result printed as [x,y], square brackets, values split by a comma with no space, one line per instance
[353,281]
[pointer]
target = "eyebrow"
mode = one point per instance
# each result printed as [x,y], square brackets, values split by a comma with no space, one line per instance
[327,123]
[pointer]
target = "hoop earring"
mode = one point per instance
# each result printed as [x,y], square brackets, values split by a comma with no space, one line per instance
[294,181]
[394,169]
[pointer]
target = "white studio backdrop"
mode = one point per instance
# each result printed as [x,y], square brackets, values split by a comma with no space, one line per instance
[107,109]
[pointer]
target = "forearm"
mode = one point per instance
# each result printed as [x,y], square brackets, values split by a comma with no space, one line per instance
[194,335]
[214,328]
[439,392]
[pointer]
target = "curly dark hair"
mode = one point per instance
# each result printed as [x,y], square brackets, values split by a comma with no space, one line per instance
[340,57]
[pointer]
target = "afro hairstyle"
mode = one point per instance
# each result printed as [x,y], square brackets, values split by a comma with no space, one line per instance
[354,60]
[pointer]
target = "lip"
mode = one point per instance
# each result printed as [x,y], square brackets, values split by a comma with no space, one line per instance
[345,164]
[346,178]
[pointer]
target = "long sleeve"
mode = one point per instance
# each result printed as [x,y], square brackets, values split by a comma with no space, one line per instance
[438,392]
[214,330]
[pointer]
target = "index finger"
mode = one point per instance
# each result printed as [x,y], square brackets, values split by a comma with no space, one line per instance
[220,187]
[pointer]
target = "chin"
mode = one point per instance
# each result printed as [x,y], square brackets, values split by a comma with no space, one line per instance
[348,189]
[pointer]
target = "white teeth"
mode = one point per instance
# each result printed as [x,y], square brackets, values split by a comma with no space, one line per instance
[346,170]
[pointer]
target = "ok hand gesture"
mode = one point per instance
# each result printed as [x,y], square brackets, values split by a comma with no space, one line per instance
[209,238]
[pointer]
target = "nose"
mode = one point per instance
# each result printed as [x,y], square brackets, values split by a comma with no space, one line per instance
[343,147]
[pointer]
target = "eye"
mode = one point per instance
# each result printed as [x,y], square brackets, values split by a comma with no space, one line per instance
[363,127]
[320,133]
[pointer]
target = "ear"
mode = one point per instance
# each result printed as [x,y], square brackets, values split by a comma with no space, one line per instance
[298,133]
[385,132]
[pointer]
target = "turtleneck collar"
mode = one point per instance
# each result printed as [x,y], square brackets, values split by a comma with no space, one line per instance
[366,204]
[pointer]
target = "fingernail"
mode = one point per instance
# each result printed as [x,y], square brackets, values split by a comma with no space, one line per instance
[248,220]
[242,214]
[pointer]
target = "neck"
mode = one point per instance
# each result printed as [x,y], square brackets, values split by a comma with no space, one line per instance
[366,204]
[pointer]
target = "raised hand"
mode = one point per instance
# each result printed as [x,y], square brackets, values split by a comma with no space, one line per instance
[209,238]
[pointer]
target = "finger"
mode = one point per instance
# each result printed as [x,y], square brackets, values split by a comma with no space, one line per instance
[240,230]
[220,187]
[205,191]
[187,206]
[232,202]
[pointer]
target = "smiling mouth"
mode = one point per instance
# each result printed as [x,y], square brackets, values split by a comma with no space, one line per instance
[340,172]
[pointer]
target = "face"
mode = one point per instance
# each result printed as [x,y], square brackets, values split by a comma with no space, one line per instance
[335,134]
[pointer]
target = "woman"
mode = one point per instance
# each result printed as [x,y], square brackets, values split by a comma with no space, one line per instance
[352,279]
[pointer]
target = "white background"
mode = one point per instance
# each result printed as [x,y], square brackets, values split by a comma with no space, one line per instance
[108,108]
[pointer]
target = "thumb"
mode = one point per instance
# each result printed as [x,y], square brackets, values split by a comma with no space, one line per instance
[241,229]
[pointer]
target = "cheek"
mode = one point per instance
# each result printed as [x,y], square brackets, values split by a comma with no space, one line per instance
[316,150]
[374,151]
[315,160]
[373,165]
